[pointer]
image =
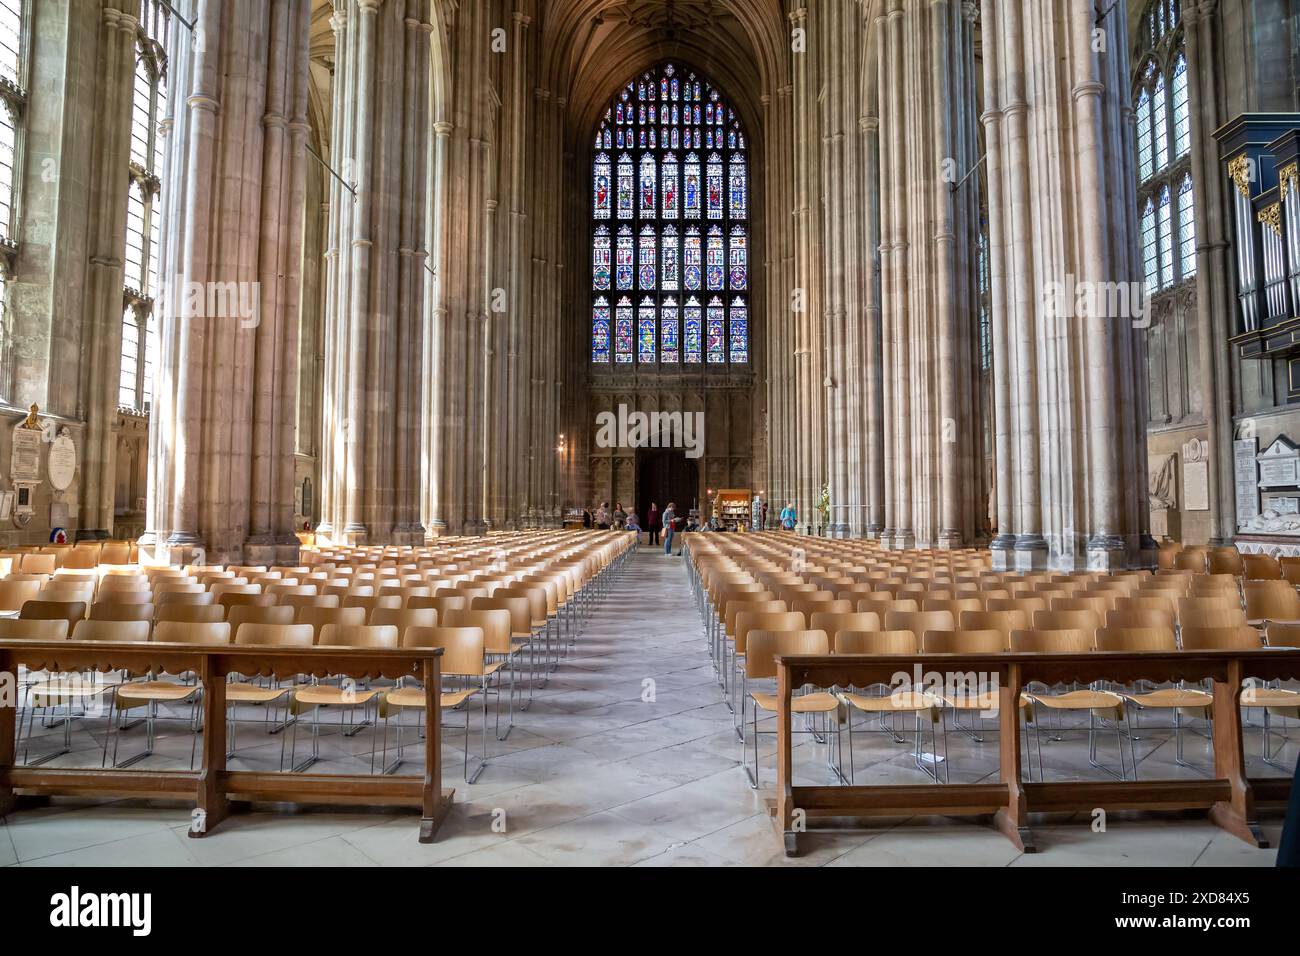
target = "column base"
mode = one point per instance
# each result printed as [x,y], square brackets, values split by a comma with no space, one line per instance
[1003,549]
[181,548]
[950,539]
[260,549]
[408,534]
[355,533]
[1106,552]
[873,532]
[1031,553]
[840,530]
[904,540]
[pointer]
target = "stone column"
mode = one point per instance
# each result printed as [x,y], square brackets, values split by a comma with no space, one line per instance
[106,237]
[222,481]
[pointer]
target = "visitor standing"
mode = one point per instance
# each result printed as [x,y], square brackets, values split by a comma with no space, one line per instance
[602,516]
[652,523]
[670,527]
[789,517]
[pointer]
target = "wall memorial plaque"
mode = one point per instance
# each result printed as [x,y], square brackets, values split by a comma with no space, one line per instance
[63,461]
[1246,476]
[26,462]
[1196,475]
[1279,464]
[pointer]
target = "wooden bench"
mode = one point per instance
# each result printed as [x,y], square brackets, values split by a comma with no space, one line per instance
[213,787]
[1230,797]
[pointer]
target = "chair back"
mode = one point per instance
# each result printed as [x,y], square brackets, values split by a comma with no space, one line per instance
[1136,639]
[875,642]
[179,632]
[463,648]
[276,635]
[963,642]
[49,629]
[376,636]
[110,631]
[763,648]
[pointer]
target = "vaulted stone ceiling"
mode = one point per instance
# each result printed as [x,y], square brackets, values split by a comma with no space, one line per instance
[589,47]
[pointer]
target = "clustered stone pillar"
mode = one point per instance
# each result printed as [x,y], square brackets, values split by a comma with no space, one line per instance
[1072,470]
[221,440]
[928,214]
[1214,307]
[376,262]
[103,303]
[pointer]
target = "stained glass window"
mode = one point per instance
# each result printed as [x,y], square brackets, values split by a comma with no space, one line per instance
[1187,228]
[623,331]
[692,317]
[739,332]
[625,258]
[1162,115]
[600,260]
[716,260]
[1182,114]
[1164,217]
[717,331]
[678,189]
[669,278]
[140,264]
[603,190]
[600,330]
[668,332]
[645,331]
[739,277]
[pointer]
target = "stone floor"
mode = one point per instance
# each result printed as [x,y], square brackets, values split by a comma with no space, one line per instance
[626,757]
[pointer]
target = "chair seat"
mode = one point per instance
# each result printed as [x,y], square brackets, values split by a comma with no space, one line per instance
[322,695]
[910,701]
[493,667]
[1173,697]
[818,703]
[1280,702]
[414,697]
[143,692]
[253,694]
[53,692]
[1081,700]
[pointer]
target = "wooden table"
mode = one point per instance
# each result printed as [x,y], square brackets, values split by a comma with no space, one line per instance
[1229,796]
[213,787]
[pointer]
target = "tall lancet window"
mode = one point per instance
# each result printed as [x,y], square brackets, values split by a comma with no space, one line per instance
[670,227]
[1162,111]
[148,106]
[14,19]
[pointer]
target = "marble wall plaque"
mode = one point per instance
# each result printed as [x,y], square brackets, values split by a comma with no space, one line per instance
[62,464]
[26,462]
[1246,476]
[1196,475]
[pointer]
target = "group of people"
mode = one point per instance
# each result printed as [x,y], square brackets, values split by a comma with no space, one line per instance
[668,523]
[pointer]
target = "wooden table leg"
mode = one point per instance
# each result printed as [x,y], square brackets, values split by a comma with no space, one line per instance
[8,745]
[211,806]
[1237,814]
[1013,819]
[435,803]
[785,763]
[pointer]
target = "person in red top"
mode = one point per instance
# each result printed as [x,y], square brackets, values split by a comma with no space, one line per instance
[652,523]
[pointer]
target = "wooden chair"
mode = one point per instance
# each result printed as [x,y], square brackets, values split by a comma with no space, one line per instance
[113,611]
[14,594]
[270,691]
[762,647]
[463,657]
[252,614]
[1004,621]
[320,617]
[404,618]
[500,648]
[918,622]
[345,694]
[1271,600]
[70,611]
[835,622]
[1100,705]
[191,613]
